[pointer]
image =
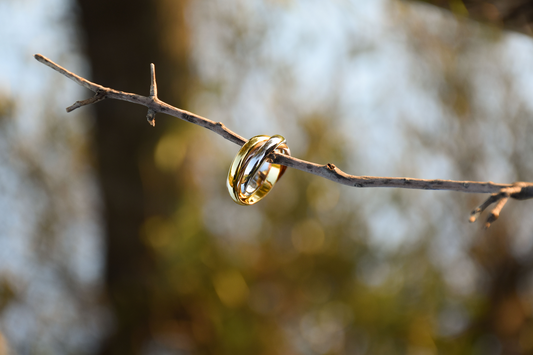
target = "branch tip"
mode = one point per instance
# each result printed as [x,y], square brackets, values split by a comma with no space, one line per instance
[153,83]
[150,117]
[99,96]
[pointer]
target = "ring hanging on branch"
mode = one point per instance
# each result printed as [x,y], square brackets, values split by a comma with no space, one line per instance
[252,174]
[500,193]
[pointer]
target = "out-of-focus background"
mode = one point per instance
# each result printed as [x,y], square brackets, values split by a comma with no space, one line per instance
[120,238]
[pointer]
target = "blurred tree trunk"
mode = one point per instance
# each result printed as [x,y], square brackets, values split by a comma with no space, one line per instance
[514,15]
[121,40]
[506,313]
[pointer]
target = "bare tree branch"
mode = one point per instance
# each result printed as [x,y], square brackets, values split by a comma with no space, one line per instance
[500,192]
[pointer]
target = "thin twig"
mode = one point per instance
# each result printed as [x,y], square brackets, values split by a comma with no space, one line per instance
[476,212]
[495,213]
[153,82]
[99,96]
[500,192]
[518,191]
[150,117]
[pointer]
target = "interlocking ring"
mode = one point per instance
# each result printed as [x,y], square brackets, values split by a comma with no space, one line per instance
[252,174]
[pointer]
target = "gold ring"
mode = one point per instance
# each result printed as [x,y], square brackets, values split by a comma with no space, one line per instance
[252,174]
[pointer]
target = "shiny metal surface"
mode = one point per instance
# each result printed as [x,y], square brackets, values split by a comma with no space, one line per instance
[252,175]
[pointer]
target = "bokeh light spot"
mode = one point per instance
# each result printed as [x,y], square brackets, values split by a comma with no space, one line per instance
[169,152]
[308,237]
[231,288]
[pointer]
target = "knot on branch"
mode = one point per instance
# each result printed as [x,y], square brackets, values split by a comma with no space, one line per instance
[525,192]
[518,191]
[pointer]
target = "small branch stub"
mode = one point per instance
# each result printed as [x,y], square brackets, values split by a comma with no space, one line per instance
[150,117]
[99,96]
[153,83]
